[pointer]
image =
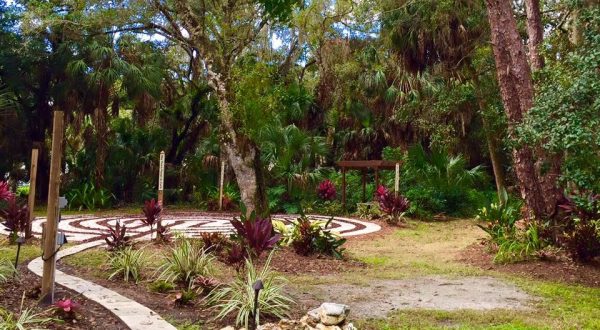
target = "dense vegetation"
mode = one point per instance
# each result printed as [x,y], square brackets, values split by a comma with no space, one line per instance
[281,90]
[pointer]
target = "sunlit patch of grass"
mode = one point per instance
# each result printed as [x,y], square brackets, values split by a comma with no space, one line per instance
[92,259]
[29,251]
[461,319]
[375,261]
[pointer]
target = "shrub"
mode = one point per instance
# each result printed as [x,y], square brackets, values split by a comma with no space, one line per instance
[5,193]
[392,204]
[519,246]
[255,233]
[185,262]
[184,297]
[583,242]
[163,233]
[581,228]
[309,237]
[15,217]
[152,212]
[238,297]
[499,218]
[26,319]
[213,241]
[236,254]
[117,238]
[326,190]
[128,263]
[161,286]
[87,196]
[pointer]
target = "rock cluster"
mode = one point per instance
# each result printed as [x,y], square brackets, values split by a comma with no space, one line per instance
[328,316]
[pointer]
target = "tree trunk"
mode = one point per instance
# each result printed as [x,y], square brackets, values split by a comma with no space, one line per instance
[492,143]
[516,88]
[535,32]
[243,156]
[548,166]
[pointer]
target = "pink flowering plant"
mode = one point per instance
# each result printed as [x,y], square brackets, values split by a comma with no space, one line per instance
[66,308]
[5,193]
[326,190]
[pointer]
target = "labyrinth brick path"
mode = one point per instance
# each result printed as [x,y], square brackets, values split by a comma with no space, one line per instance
[83,228]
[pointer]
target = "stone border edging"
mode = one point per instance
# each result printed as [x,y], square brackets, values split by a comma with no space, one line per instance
[135,315]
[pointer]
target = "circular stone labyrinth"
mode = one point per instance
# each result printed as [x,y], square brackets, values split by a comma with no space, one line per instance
[83,228]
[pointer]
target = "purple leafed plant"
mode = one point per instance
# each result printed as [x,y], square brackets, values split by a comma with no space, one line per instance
[15,217]
[117,238]
[5,193]
[236,254]
[326,190]
[152,210]
[257,234]
[391,204]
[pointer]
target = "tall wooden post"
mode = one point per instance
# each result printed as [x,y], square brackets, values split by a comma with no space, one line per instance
[161,177]
[221,180]
[32,185]
[51,227]
[344,188]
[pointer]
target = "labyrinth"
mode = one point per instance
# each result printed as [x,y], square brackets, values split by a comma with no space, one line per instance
[84,228]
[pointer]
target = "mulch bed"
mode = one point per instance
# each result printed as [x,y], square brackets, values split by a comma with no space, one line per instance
[91,315]
[560,269]
[284,261]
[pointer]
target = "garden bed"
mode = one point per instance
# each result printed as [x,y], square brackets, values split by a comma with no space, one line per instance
[90,316]
[560,268]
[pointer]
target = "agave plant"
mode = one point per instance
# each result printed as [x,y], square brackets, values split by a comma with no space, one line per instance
[238,297]
[117,238]
[152,210]
[256,233]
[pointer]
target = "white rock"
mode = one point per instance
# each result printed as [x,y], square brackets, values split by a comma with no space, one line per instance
[349,326]
[333,314]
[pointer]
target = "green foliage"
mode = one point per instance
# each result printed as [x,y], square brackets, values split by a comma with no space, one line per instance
[519,246]
[238,296]
[161,286]
[185,262]
[583,241]
[128,263]
[566,117]
[26,319]
[308,237]
[88,197]
[439,183]
[500,218]
[7,270]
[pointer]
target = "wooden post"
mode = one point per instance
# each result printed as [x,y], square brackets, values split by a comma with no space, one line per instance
[31,197]
[397,180]
[221,180]
[364,185]
[51,227]
[161,177]
[344,188]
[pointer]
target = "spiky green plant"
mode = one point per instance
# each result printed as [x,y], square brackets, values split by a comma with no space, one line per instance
[128,263]
[26,319]
[238,297]
[185,262]
[7,270]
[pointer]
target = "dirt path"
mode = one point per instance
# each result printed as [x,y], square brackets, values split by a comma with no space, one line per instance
[381,297]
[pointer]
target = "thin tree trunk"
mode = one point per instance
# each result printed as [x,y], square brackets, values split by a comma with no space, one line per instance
[492,143]
[516,88]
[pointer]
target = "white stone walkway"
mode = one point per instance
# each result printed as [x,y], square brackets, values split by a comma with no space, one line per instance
[133,314]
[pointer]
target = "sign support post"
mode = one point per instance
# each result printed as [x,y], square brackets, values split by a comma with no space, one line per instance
[221,185]
[51,228]
[32,185]
[397,180]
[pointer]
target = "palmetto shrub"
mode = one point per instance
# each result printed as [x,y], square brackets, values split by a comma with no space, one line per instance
[185,262]
[238,296]
[128,263]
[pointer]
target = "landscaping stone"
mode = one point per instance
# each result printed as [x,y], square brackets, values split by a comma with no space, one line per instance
[328,316]
[333,314]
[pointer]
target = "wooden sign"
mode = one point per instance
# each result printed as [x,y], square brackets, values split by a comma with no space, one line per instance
[161,177]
